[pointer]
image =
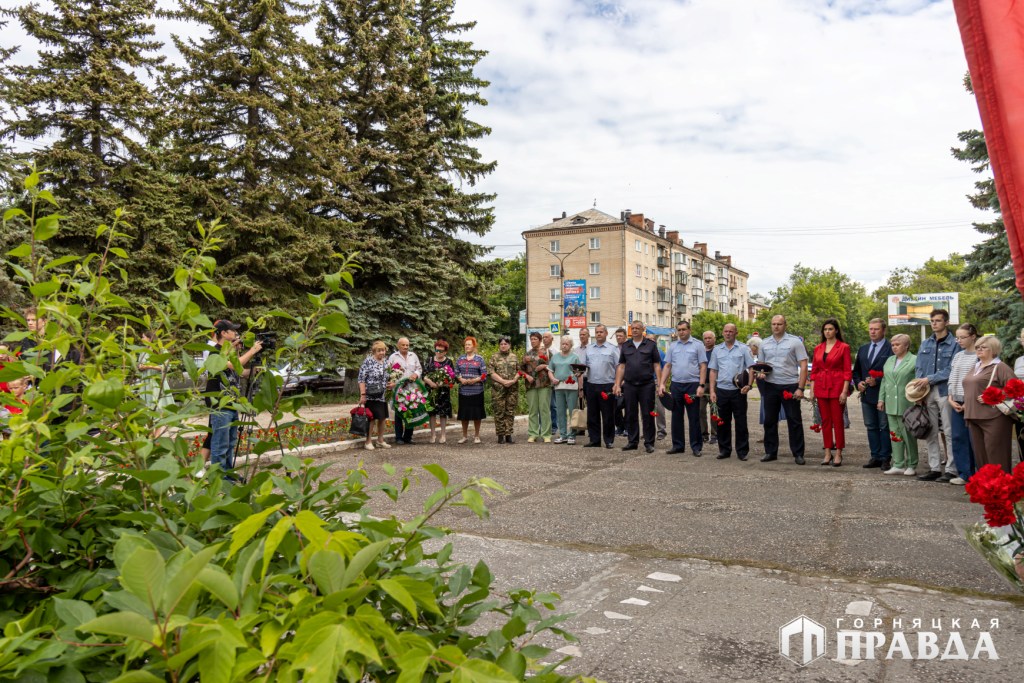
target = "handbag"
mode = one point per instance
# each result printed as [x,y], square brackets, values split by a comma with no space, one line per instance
[579,417]
[1005,407]
[360,425]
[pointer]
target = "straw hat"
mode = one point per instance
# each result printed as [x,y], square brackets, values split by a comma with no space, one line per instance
[917,391]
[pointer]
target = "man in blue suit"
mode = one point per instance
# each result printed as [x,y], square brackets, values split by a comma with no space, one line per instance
[871,356]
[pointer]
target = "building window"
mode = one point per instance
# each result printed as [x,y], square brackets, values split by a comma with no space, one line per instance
[555,271]
[595,292]
[639,294]
[554,246]
[646,296]
[659,276]
[555,294]
[595,268]
[647,249]
[595,242]
[661,320]
[595,316]
[555,317]
[647,272]
[639,270]
[638,247]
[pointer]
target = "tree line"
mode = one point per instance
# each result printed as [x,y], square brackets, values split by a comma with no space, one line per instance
[308,128]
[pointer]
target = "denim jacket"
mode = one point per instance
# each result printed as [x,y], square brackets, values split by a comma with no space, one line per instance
[925,366]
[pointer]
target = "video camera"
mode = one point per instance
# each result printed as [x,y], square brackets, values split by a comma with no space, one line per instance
[268,338]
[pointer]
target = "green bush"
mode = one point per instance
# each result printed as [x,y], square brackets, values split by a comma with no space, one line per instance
[122,560]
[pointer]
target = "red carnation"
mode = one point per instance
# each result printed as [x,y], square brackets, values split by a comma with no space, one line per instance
[877,374]
[604,395]
[992,396]
[654,413]
[570,381]
[396,366]
[1014,388]
[787,395]
[688,399]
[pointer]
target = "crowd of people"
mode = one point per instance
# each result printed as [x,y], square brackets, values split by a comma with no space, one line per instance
[599,390]
[696,392]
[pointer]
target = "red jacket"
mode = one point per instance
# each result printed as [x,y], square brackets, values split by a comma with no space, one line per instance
[831,374]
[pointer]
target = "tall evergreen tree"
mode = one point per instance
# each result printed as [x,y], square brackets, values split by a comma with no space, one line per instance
[397,85]
[244,149]
[990,258]
[83,107]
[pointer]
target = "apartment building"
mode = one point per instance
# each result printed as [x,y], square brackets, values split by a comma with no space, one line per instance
[633,270]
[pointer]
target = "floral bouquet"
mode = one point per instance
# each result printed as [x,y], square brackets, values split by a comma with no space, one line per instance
[713,407]
[444,378]
[1001,539]
[815,417]
[1009,400]
[410,402]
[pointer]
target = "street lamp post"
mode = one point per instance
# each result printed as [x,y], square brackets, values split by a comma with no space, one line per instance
[561,274]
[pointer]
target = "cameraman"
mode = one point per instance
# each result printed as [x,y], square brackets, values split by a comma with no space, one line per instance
[223,430]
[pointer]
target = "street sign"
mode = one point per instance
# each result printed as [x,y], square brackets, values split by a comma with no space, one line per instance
[555,328]
[522,321]
[915,309]
[631,316]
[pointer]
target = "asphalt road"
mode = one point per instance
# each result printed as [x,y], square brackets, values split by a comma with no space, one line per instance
[753,544]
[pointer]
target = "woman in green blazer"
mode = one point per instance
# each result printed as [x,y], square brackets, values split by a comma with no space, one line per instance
[892,398]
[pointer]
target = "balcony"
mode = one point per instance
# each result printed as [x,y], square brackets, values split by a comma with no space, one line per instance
[709,277]
[681,309]
[681,277]
[723,281]
[733,283]
[733,302]
[663,262]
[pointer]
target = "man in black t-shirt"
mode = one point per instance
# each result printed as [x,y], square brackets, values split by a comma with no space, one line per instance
[223,430]
[639,364]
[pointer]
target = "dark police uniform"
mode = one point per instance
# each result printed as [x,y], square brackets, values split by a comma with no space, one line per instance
[638,388]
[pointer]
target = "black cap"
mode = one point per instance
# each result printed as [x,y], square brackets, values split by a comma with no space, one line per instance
[225,325]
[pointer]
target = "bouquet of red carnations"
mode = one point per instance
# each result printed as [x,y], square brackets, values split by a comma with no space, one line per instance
[1001,539]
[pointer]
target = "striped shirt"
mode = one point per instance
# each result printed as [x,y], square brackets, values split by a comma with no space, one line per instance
[961,364]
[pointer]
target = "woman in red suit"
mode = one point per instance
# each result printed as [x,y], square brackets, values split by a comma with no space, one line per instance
[831,374]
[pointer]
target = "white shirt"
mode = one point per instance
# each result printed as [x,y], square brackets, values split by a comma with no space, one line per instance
[410,364]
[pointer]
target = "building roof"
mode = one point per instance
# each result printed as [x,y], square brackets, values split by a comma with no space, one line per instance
[585,218]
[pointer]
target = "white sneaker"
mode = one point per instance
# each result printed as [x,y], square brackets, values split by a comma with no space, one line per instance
[463,440]
[893,470]
[368,446]
[383,444]
[957,481]
[909,472]
[559,439]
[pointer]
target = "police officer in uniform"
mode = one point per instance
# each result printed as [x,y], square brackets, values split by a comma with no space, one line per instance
[505,389]
[639,364]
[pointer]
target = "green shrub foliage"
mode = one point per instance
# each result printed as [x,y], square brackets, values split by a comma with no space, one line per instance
[123,560]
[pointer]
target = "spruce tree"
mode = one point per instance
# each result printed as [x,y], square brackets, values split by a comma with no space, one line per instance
[393,80]
[243,148]
[86,112]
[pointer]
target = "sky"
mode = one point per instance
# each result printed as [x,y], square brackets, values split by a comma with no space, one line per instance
[778,131]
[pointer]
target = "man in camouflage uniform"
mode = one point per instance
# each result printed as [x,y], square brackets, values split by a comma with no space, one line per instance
[504,367]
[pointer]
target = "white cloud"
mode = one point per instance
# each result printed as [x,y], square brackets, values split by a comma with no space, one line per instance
[726,120]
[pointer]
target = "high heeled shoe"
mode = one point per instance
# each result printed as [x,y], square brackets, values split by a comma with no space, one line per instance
[827,461]
[838,462]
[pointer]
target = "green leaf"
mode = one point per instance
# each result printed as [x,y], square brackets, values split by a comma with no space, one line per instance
[219,584]
[513,662]
[311,527]
[327,567]
[179,300]
[273,540]
[11,213]
[119,252]
[143,575]
[396,590]
[31,180]
[137,677]
[73,612]
[47,196]
[215,364]
[20,251]
[216,662]
[439,473]
[335,323]
[413,665]
[481,671]
[104,393]
[242,533]
[472,499]
[124,624]
[362,560]
[213,290]
[41,290]
[179,583]
[46,227]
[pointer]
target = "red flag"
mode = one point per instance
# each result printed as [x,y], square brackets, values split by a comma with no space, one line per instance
[992,32]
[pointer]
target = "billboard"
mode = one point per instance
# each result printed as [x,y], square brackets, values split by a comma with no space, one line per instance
[574,302]
[913,309]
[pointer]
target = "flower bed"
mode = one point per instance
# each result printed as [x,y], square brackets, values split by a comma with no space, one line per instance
[294,436]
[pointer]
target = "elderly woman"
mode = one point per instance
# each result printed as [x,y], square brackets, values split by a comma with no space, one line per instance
[373,383]
[831,374]
[566,389]
[991,431]
[471,370]
[436,372]
[892,399]
[962,364]
[538,390]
